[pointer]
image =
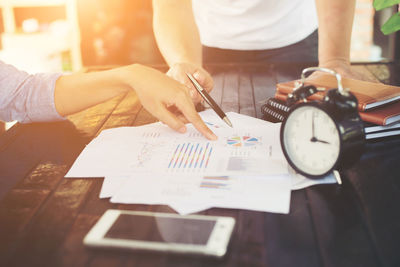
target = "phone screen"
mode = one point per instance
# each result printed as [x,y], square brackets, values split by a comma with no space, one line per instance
[161,229]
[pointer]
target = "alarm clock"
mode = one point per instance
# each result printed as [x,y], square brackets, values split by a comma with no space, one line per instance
[320,137]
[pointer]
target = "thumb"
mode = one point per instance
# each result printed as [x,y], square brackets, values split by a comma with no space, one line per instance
[204,79]
[199,77]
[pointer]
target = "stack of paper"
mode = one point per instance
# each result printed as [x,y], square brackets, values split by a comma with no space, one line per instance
[245,168]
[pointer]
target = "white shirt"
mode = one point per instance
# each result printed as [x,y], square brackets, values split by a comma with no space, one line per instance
[254,24]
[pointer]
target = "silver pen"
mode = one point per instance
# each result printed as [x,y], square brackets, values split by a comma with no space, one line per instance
[209,100]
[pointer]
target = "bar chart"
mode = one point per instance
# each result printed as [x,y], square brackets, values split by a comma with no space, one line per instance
[189,157]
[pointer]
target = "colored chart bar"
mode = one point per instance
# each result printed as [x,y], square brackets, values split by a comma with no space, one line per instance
[173,156]
[190,157]
[215,182]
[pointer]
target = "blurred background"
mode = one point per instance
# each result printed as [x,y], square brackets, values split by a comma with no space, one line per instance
[66,35]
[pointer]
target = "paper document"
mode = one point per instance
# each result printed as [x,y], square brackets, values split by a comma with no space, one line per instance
[299,181]
[112,184]
[187,194]
[152,164]
[157,149]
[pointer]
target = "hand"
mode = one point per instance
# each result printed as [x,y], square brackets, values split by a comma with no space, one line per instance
[345,70]
[178,72]
[157,92]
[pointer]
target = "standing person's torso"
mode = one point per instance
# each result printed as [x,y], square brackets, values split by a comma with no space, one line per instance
[254,24]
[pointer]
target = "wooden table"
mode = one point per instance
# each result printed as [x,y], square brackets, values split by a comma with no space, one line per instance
[44,217]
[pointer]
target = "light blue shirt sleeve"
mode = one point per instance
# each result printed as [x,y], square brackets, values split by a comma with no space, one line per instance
[27,97]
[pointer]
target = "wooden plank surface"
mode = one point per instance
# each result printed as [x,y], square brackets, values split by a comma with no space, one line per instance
[217,91]
[246,95]
[44,217]
[264,83]
[54,146]
[230,92]
[376,186]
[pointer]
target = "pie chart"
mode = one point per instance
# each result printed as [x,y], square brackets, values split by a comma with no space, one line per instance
[242,141]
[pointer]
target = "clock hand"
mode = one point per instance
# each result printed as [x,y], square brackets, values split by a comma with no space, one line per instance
[313,127]
[322,141]
[314,139]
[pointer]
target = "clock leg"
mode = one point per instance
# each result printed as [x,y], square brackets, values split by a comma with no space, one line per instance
[336,174]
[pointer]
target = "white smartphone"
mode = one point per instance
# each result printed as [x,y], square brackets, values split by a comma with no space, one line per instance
[198,234]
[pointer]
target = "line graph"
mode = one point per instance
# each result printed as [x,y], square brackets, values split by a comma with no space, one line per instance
[146,153]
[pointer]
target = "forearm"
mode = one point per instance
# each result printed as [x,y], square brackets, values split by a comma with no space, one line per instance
[80,91]
[176,32]
[335,19]
[25,97]
[76,92]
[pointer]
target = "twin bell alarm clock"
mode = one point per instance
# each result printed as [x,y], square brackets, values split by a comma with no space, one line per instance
[321,137]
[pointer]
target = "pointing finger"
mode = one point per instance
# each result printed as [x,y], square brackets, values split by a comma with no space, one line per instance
[187,108]
[164,115]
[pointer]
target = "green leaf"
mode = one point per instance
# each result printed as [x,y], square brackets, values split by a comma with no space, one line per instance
[392,25]
[381,4]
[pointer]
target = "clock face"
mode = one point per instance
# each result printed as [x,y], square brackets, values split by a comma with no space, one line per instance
[311,140]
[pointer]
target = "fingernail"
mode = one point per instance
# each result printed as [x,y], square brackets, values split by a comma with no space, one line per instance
[212,136]
[182,129]
[196,75]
